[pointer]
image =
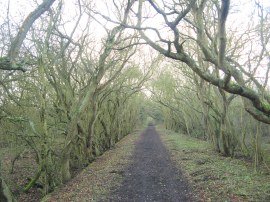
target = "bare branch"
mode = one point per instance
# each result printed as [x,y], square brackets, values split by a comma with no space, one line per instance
[16,44]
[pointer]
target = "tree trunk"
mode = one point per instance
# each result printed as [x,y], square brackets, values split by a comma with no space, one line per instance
[65,167]
[72,132]
[33,180]
[226,137]
[5,193]
[65,161]
[258,149]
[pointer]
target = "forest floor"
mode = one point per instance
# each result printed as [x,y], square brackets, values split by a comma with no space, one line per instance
[181,168]
[146,175]
[157,166]
[101,177]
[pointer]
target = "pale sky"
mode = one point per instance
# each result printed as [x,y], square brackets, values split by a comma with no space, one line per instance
[20,8]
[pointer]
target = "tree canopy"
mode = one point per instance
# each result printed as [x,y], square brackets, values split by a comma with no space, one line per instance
[77,76]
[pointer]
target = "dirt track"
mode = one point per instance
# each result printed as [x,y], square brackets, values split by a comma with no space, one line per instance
[152,175]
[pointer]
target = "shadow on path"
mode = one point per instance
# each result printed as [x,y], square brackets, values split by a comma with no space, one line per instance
[152,175]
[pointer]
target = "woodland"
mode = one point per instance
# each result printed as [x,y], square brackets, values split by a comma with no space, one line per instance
[78,76]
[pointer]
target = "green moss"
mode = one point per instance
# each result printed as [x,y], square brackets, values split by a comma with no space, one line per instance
[266,105]
[233,85]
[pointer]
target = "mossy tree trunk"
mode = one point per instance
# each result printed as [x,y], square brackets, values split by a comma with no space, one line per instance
[5,193]
[258,155]
[226,140]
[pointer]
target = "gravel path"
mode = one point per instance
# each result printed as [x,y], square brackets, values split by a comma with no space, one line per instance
[152,175]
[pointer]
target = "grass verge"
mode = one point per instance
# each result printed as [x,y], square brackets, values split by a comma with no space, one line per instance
[101,177]
[214,177]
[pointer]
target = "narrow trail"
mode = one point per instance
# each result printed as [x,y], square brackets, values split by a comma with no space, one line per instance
[152,175]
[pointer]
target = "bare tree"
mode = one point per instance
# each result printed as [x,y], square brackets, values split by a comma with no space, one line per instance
[9,62]
[211,36]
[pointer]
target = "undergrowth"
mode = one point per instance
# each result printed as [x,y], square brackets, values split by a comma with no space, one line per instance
[215,177]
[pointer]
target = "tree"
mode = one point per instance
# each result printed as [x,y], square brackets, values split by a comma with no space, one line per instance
[58,109]
[9,62]
[214,45]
